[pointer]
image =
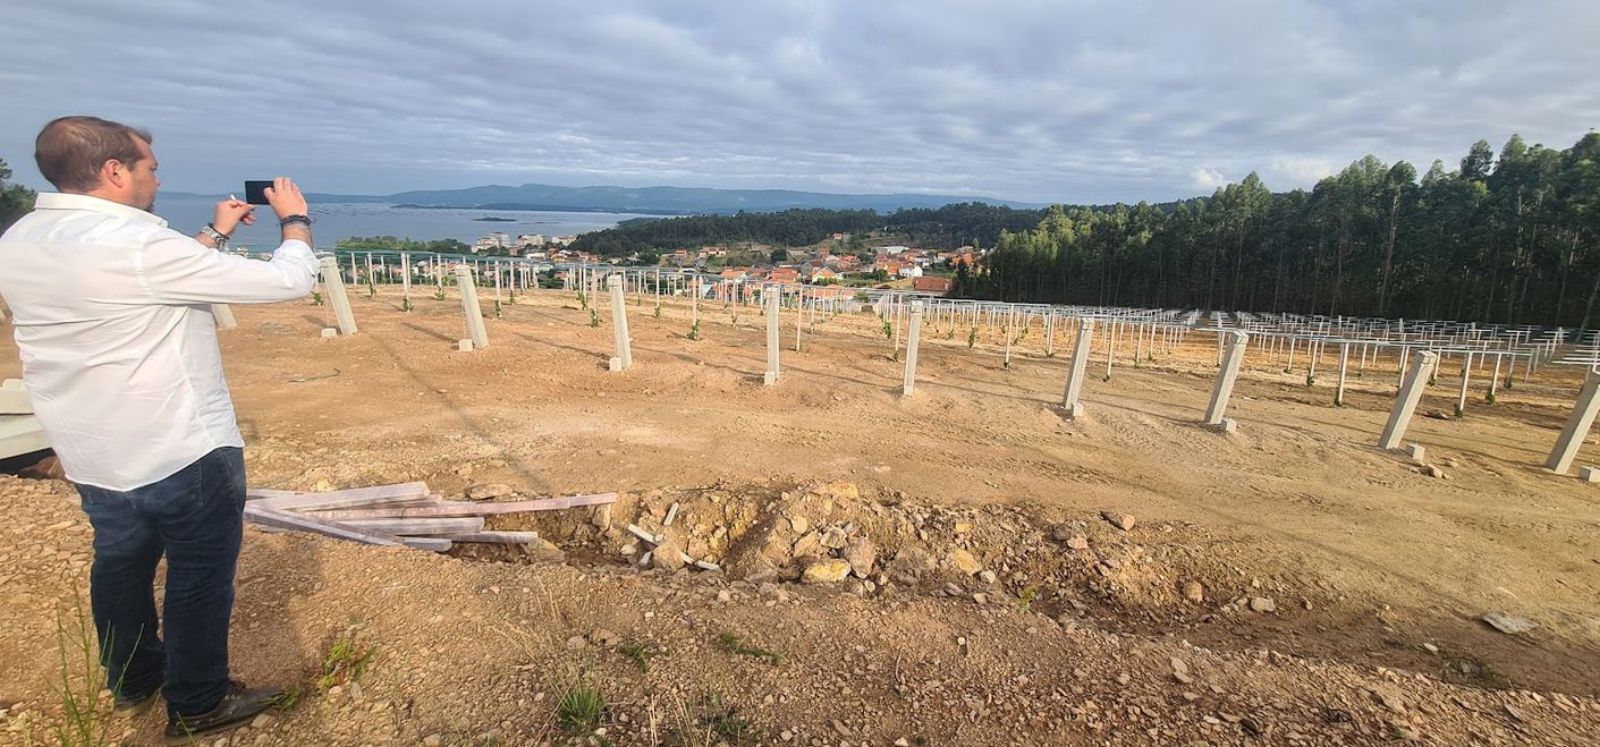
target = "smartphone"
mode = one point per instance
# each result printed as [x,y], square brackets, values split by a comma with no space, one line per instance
[255,192]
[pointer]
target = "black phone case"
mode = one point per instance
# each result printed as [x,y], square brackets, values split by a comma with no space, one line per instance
[255,193]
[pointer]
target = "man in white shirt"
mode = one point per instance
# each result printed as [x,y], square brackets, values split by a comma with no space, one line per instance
[119,352]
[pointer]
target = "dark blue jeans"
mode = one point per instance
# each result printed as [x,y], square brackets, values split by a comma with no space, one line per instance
[195,518]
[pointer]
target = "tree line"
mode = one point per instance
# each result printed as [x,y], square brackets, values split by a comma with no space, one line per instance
[942,228]
[15,199]
[1509,239]
[397,244]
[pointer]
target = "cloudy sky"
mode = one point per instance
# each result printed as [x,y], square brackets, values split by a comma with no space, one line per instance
[1042,101]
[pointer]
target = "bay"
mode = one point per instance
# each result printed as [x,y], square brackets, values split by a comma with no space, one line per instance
[344,220]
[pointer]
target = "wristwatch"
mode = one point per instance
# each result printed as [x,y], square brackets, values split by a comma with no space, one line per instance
[218,238]
[287,219]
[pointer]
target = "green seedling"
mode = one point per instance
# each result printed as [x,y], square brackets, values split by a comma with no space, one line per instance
[733,644]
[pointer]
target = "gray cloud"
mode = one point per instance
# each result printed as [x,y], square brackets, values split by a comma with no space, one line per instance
[1045,101]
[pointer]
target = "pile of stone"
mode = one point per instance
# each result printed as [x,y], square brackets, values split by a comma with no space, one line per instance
[405,514]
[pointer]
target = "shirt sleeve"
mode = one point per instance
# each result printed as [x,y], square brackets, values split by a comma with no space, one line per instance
[176,269]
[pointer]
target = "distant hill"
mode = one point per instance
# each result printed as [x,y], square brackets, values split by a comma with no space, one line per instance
[655,200]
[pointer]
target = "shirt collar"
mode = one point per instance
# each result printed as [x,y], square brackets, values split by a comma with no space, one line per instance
[61,201]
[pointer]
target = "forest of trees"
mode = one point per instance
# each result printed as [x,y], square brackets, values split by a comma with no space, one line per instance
[15,199]
[943,228]
[1512,239]
[397,244]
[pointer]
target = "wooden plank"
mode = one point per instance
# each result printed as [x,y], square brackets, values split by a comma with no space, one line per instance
[443,509]
[15,402]
[272,517]
[431,544]
[13,385]
[502,538]
[412,527]
[430,509]
[21,434]
[410,491]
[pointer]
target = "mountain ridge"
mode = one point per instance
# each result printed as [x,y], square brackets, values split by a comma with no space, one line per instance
[661,200]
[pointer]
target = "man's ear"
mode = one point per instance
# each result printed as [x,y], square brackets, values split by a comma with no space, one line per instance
[113,173]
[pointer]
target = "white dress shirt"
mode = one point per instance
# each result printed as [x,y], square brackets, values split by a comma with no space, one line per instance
[118,344]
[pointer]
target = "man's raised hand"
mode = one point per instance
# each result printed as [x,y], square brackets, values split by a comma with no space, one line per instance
[230,213]
[285,198]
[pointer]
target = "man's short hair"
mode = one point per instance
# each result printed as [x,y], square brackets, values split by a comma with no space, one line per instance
[71,150]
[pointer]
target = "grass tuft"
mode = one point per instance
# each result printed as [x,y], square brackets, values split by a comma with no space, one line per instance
[733,644]
[345,662]
[580,709]
[639,653]
[85,718]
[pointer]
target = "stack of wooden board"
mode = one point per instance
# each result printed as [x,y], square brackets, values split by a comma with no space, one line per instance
[20,432]
[407,514]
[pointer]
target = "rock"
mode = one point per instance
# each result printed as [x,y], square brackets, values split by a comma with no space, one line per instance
[488,491]
[809,545]
[1179,666]
[987,577]
[261,721]
[964,562]
[545,551]
[962,527]
[1194,592]
[841,490]
[1263,604]
[600,516]
[1430,648]
[576,642]
[1120,521]
[1063,531]
[433,740]
[604,637]
[1402,731]
[750,566]
[1431,470]
[668,555]
[834,539]
[1390,700]
[861,554]
[1078,542]
[911,562]
[980,598]
[724,596]
[1509,624]
[799,524]
[829,571]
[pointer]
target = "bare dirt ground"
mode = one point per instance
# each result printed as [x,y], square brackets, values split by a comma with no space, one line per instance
[1286,584]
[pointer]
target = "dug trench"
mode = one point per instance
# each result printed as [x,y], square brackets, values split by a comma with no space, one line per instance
[1109,572]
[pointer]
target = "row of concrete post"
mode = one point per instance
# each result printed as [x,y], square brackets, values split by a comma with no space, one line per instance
[1232,346]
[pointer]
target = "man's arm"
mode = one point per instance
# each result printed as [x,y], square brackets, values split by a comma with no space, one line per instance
[180,269]
[176,269]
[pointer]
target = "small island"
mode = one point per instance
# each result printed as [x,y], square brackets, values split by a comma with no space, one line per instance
[495,219]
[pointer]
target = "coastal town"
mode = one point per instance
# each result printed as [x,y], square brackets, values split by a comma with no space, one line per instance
[830,262]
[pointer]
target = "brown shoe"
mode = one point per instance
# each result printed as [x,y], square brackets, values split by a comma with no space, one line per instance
[235,709]
[137,704]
